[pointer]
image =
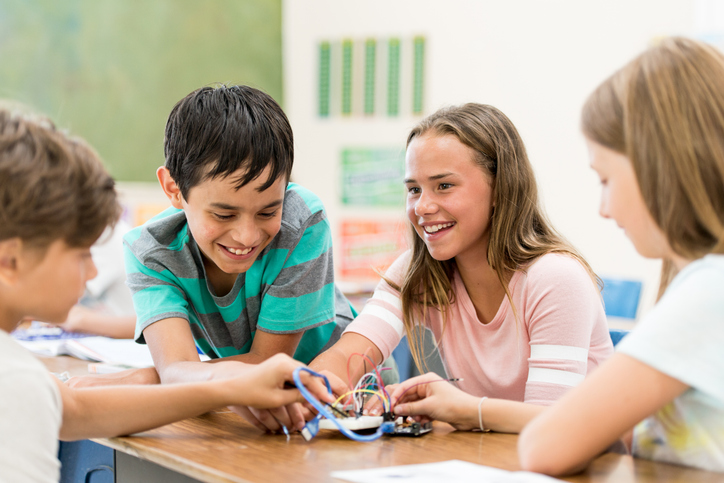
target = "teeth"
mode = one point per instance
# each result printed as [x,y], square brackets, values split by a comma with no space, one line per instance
[436,228]
[238,251]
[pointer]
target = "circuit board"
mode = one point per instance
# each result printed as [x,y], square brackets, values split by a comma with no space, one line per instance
[353,423]
[402,427]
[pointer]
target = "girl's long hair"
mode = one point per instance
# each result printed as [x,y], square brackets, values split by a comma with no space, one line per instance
[519,229]
[664,111]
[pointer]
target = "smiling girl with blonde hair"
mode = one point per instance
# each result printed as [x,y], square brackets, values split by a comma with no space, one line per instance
[514,308]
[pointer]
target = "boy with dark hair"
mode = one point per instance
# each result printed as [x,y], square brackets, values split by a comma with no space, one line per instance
[241,266]
[55,201]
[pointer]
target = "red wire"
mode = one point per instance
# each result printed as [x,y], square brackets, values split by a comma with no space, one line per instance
[349,359]
[364,356]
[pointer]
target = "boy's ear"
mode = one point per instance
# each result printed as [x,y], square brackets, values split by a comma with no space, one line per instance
[169,187]
[10,251]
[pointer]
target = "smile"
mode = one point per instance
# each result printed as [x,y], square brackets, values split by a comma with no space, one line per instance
[436,228]
[237,251]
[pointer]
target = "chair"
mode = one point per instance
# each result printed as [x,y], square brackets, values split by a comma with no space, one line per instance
[620,299]
[403,357]
[86,461]
[617,335]
[406,365]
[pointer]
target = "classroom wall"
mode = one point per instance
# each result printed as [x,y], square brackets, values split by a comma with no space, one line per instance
[110,71]
[536,61]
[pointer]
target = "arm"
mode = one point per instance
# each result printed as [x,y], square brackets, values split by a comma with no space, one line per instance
[84,319]
[375,332]
[334,360]
[177,360]
[113,411]
[567,328]
[587,420]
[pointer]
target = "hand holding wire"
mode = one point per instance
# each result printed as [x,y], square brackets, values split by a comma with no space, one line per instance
[349,407]
[425,400]
[312,427]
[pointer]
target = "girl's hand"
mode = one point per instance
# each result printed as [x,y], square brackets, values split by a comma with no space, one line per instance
[430,397]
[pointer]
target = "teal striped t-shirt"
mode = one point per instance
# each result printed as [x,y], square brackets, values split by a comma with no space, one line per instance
[288,289]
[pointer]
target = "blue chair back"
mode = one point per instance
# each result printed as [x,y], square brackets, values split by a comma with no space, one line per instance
[621,297]
[617,335]
[403,357]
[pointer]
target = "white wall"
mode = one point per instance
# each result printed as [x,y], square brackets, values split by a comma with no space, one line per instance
[535,60]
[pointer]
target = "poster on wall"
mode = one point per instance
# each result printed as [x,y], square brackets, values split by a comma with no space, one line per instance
[373,177]
[369,247]
[371,77]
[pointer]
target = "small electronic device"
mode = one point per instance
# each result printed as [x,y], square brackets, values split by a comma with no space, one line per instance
[402,426]
[411,428]
[352,423]
[346,414]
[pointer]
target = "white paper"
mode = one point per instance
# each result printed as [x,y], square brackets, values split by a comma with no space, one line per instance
[98,349]
[112,351]
[445,471]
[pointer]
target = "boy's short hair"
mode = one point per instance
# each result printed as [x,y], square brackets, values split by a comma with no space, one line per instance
[52,186]
[216,131]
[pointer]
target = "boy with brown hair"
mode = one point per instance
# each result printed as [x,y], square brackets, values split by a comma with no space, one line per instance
[55,201]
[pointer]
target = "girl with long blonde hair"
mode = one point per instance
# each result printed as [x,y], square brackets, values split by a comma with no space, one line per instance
[514,309]
[655,132]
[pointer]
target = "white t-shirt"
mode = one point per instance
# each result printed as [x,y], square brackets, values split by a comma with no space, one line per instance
[683,337]
[31,412]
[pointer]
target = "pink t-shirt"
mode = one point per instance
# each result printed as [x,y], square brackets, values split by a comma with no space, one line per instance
[560,336]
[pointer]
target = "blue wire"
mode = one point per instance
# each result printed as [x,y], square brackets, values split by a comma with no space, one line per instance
[314,426]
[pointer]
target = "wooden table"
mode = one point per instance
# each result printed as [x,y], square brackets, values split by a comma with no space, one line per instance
[221,447]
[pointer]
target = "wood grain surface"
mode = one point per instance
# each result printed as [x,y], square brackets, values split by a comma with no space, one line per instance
[221,447]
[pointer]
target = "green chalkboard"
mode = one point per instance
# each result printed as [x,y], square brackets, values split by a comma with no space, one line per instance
[110,71]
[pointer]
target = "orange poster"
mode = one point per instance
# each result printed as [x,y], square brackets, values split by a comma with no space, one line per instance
[368,247]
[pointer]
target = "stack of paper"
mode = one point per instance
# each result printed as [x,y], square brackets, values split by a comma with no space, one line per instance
[121,353]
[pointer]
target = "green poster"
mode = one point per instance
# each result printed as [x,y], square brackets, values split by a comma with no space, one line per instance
[373,177]
[393,78]
[324,78]
[347,77]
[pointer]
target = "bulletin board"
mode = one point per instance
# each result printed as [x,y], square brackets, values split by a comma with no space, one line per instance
[111,71]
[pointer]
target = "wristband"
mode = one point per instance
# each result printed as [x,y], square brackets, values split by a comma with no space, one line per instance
[480,415]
